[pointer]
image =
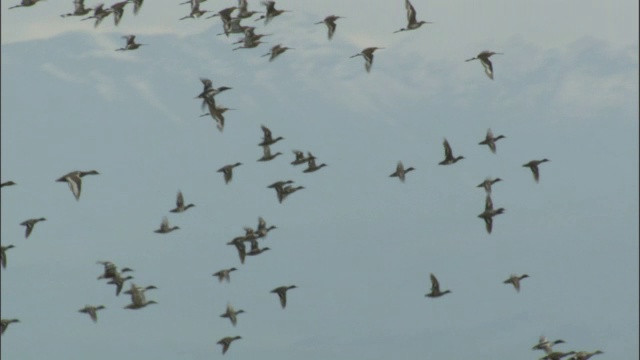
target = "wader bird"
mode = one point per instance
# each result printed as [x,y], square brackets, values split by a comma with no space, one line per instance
[195,10]
[330,21]
[271,12]
[484,59]
[25,3]
[80,10]
[99,13]
[367,54]
[411,18]
[131,43]
[276,51]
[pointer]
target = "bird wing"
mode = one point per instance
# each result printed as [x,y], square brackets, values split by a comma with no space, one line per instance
[536,172]
[368,58]
[266,150]
[488,67]
[488,222]
[411,12]
[283,298]
[179,200]
[267,133]
[207,84]
[435,285]
[332,28]
[75,185]
[447,149]
[488,204]
[165,223]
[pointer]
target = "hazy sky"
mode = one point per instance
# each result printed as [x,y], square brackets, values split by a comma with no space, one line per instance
[358,244]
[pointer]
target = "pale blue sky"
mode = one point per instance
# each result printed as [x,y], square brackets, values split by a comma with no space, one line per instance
[358,244]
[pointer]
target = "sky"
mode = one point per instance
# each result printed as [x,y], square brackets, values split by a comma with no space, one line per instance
[358,244]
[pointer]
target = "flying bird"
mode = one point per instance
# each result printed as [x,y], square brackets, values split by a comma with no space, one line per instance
[484,59]
[311,164]
[227,171]
[92,311]
[546,345]
[448,155]
[3,255]
[164,227]
[74,179]
[533,165]
[232,314]
[224,274]
[412,23]
[79,9]
[7,183]
[515,280]
[401,171]
[267,138]
[488,213]
[487,183]
[267,156]
[4,324]
[99,13]
[276,51]
[226,342]
[271,12]
[29,224]
[490,140]
[282,294]
[131,43]
[25,3]
[118,10]
[435,288]
[195,11]
[367,54]
[330,21]
[180,207]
